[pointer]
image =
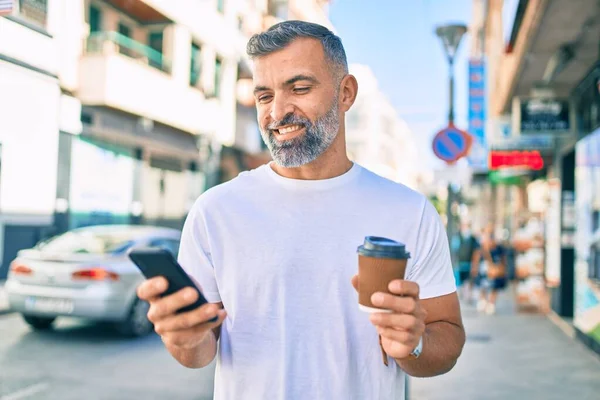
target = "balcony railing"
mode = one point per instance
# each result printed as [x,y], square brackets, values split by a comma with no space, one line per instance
[114,42]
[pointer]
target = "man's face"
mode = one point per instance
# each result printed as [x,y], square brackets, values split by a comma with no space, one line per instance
[297,102]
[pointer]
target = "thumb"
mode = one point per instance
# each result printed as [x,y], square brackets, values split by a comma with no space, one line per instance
[355,282]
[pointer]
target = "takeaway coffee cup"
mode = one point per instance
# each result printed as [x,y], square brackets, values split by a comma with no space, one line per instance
[380,261]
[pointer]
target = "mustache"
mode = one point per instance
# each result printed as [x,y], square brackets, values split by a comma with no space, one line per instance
[289,119]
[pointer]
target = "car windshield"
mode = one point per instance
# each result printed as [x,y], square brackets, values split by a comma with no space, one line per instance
[89,242]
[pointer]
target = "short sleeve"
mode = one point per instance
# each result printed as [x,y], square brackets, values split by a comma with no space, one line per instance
[431,266]
[194,255]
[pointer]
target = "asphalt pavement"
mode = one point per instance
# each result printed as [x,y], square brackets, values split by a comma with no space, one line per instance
[516,356]
[4,307]
[87,361]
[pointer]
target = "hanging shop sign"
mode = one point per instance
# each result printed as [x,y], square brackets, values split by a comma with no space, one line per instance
[544,116]
[531,160]
[542,143]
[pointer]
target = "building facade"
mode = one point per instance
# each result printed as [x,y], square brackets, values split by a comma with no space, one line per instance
[545,92]
[377,138]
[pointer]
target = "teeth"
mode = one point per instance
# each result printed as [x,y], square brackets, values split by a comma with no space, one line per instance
[289,129]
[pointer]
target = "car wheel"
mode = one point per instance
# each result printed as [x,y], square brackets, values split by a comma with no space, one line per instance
[137,323]
[39,323]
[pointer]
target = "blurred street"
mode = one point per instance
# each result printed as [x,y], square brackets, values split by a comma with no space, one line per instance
[116,116]
[78,361]
[518,356]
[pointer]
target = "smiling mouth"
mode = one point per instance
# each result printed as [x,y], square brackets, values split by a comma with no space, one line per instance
[288,130]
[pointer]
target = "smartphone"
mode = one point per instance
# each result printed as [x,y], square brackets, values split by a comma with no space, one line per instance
[156,261]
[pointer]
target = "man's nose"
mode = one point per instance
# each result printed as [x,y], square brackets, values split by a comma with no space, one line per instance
[280,107]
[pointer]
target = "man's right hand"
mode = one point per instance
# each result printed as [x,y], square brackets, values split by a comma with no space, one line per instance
[187,330]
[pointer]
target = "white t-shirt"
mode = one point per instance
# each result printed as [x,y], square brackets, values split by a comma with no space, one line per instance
[280,254]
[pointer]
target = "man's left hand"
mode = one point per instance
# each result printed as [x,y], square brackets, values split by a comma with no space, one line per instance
[401,329]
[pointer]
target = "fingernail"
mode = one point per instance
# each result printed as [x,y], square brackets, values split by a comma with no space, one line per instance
[159,285]
[377,298]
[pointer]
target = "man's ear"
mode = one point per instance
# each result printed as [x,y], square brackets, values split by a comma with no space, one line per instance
[348,92]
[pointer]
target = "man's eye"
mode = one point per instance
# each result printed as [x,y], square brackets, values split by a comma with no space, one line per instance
[263,99]
[301,90]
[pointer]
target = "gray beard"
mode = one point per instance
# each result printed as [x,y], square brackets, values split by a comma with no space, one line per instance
[309,146]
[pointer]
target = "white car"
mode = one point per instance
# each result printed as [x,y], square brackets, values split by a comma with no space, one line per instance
[86,273]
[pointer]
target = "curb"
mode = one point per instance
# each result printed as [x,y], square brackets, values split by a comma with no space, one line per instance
[563,325]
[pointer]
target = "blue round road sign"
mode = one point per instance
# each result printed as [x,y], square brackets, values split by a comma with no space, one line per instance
[451,143]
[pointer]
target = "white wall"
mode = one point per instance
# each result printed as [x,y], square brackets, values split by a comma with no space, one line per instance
[69,34]
[27,45]
[29,106]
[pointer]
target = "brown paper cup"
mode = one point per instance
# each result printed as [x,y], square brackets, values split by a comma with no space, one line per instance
[375,275]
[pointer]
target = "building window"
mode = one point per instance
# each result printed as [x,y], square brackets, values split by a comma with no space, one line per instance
[95,19]
[35,11]
[221,6]
[218,76]
[195,65]
[155,42]
[125,34]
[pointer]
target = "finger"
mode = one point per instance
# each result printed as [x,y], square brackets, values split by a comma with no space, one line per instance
[404,288]
[405,305]
[168,305]
[404,322]
[152,288]
[186,320]
[189,337]
[355,282]
[402,337]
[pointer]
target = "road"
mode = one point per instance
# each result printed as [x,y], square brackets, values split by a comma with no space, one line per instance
[86,361]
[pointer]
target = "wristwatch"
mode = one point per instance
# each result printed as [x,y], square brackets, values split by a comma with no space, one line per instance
[417,351]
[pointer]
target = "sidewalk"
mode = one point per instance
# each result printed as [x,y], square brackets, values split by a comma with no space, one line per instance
[4,308]
[515,356]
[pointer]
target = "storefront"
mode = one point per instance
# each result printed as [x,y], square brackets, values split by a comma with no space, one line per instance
[587,200]
[124,169]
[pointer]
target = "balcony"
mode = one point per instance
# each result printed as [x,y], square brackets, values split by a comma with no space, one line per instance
[123,74]
[113,42]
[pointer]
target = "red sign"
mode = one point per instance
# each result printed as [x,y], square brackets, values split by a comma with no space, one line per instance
[516,159]
[450,144]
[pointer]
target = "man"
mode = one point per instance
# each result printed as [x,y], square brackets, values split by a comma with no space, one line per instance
[275,250]
[467,261]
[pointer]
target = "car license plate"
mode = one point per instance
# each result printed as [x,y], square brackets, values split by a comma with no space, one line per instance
[62,306]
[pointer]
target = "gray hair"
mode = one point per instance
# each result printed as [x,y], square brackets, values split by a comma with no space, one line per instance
[282,34]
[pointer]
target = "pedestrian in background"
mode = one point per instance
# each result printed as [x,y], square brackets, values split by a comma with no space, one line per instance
[467,262]
[275,250]
[492,260]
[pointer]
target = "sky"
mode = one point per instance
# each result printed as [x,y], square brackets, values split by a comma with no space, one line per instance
[396,39]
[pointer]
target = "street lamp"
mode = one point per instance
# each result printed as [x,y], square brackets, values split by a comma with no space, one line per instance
[451,36]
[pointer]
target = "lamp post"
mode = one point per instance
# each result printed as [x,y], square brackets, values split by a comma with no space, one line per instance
[450,35]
